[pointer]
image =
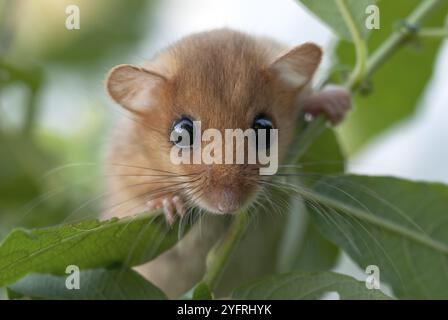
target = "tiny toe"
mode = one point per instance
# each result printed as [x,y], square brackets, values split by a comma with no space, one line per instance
[152,205]
[169,211]
[179,204]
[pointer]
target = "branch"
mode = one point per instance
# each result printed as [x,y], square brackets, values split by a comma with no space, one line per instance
[433,33]
[360,45]
[390,46]
[219,255]
[402,35]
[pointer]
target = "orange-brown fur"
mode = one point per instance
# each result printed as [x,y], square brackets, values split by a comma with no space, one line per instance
[221,78]
[224,79]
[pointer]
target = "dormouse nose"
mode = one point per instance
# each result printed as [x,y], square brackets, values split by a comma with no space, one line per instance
[227,188]
[229,200]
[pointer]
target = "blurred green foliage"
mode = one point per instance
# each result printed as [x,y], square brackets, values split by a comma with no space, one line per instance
[48,177]
[382,104]
[107,28]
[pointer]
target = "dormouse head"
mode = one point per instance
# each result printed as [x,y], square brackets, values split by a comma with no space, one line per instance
[221,79]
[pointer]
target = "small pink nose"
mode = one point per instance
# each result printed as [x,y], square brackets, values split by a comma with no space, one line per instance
[226,208]
[229,201]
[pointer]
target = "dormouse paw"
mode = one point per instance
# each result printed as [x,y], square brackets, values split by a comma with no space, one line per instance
[333,101]
[171,206]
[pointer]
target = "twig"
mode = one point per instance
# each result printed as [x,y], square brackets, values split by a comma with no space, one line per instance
[391,45]
[433,33]
[360,45]
[219,256]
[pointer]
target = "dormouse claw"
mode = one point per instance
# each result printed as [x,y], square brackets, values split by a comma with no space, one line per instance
[171,205]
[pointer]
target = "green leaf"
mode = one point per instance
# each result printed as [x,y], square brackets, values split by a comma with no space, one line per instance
[330,14]
[202,292]
[398,225]
[316,252]
[395,88]
[96,284]
[303,247]
[323,157]
[12,295]
[89,244]
[306,285]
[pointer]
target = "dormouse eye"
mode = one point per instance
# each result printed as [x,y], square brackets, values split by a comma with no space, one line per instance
[261,121]
[182,132]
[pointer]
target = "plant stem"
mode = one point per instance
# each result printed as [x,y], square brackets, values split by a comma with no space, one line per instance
[376,60]
[399,37]
[218,257]
[433,33]
[360,45]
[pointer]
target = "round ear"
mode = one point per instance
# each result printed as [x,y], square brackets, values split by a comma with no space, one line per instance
[296,67]
[132,86]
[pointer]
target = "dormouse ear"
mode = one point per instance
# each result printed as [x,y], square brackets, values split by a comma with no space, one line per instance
[132,86]
[296,67]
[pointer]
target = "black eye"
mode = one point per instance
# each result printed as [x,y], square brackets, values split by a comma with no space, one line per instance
[182,132]
[263,122]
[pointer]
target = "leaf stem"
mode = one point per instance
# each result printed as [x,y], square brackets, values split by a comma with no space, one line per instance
[360,45]
[433,33]
[219,255]
[355,212]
